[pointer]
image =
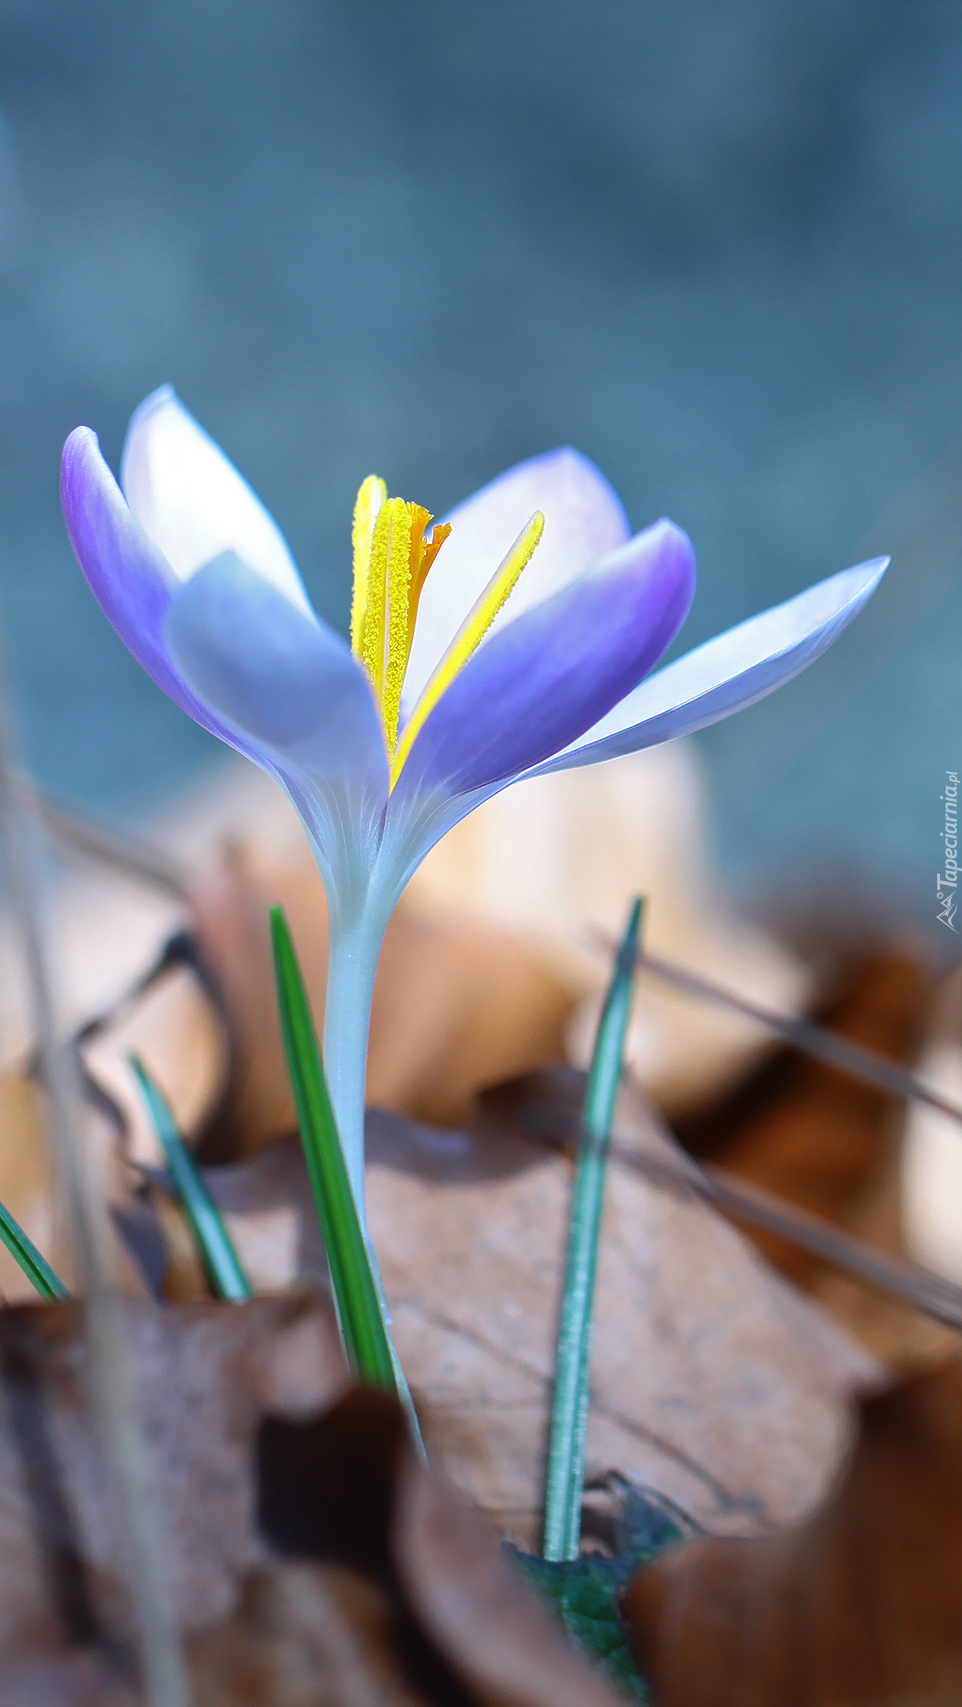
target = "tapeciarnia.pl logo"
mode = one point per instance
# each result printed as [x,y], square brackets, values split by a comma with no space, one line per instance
[946,883]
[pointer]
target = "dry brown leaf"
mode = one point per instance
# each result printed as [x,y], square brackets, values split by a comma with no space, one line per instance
[171,1022]
[349,1487]
[714,1381]
[310,1556]
[205,1375]
[860,1604]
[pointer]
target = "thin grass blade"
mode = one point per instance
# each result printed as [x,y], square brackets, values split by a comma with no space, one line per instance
[220,1259]
[36,1267]
[569,1410]
[356,1294]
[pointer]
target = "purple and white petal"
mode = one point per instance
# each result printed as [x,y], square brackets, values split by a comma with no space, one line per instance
[583,520]
[191,501]
[128,575]
[286,682]
[727,673]
[553,672]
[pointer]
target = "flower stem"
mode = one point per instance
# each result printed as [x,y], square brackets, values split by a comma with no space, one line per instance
[360,1312]
[355,944]
[352,1261]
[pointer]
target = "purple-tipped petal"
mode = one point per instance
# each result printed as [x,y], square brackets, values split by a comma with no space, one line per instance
[729,672]
[138,592]
[128,575]
[285,681]
[550,674]
[584,520]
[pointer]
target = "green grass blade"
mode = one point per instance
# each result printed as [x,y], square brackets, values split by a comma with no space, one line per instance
[214,1243]
[569,1409]
[356,1295]
[25,1253]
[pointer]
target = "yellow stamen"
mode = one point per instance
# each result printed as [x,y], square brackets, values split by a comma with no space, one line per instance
[469,635]
[373,629]
[369,500]
[391,563]
[398,626]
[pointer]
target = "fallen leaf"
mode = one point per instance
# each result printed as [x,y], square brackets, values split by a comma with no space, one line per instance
[714,1382]
[861,1603]
[205,1374]
[309,1555]
[349,1486]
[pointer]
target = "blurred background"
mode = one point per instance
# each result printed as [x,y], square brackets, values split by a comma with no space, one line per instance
[718,248]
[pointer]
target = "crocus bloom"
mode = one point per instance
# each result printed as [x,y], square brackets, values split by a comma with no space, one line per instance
[481,654]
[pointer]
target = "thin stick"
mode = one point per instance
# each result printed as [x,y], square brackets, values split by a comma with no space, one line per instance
[569,1407]
[908,1281]
[107,846]
[112,1380]
[814,1039]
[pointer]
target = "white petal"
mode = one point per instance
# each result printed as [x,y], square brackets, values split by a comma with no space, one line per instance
[727,673]
[583,520]
[190,500]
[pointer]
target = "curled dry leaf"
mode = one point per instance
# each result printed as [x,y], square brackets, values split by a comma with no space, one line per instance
[861,1603]
[172,1024]
[310,1555]
[206,1375]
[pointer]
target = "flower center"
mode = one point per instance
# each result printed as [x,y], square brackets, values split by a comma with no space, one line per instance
[392,557]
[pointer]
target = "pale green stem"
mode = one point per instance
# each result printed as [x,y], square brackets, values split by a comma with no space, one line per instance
[354,947]
[352,962]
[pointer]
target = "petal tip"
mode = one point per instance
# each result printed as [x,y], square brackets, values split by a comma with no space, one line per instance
[81,462]
[79,440]
[863,578]
[156,403]
[574,461]
[672,531]
[155,400]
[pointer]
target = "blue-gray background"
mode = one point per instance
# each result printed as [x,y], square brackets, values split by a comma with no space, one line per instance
[718,247]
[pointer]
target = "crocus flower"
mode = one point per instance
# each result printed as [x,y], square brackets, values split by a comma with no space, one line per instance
[480,654]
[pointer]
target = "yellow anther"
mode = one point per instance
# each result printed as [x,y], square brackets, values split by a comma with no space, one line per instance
[469,635]
[369,500]
[398,574]
[391,560]
[374,627]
